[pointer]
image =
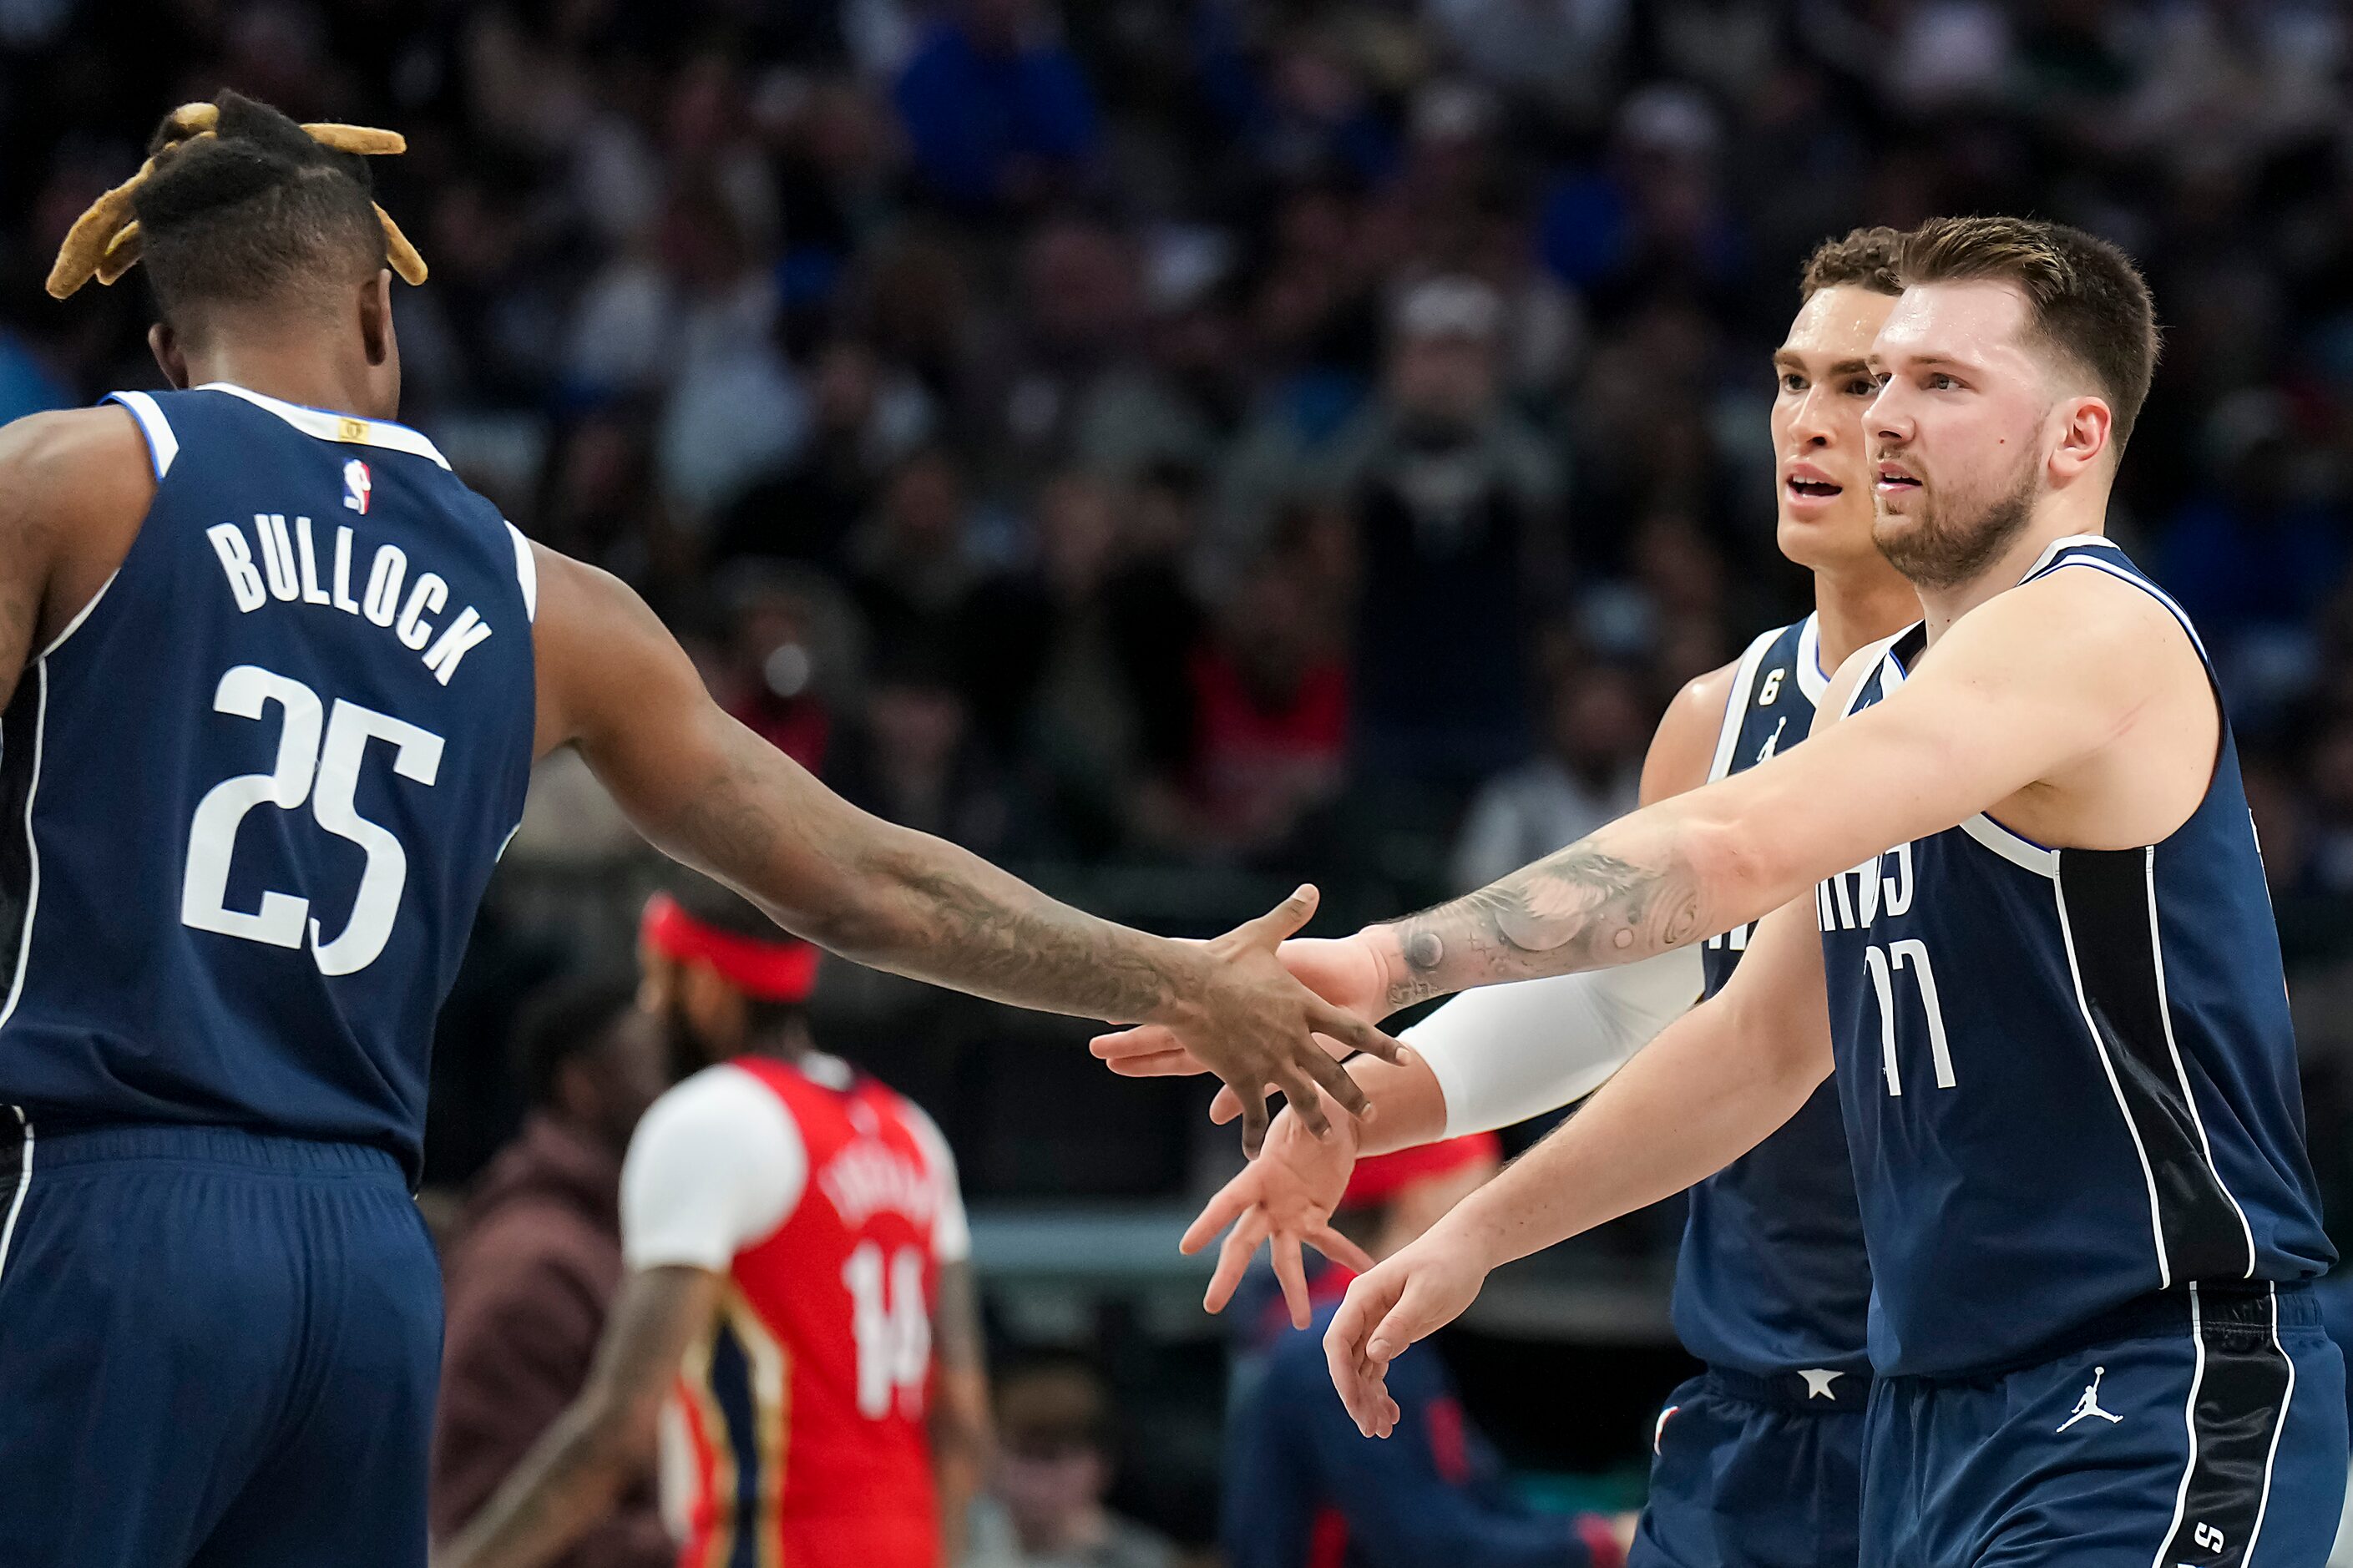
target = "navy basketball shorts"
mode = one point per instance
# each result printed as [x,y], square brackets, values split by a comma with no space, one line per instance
[1754,1472]
[215,1349]
[2211,1433]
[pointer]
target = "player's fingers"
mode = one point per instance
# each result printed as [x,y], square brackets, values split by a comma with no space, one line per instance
[1177,1063]
[1233,1260]
[1304,1102]
[1340,1249]
[1283,920]
[1351,1030]
[1406,1321]
[1142,1040]
[1253,1124]
[1367,1301]
[1226,1106]
[1290,1273]
[1223,1208]
[1341,1360]
[1336,1083]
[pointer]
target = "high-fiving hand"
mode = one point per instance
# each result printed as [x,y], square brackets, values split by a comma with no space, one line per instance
[1418,1290]
[1252,1021]
[1344,972]
[1285,1196]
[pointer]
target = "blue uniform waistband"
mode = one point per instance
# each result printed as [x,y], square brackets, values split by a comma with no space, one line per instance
[2218,1306]
[58,1146]
[1821,1391]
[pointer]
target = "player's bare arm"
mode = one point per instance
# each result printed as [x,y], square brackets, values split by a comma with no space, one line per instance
[1981,727]
[1285,1198]
[1716,1084]
[1344,972]
[74,487]
[573,1474]
[708,790]
[962,1433]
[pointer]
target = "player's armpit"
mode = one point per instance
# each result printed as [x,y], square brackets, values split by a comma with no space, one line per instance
[571,1474]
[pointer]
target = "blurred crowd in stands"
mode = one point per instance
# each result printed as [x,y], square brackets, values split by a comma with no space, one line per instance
[1180,446]
[1177,446]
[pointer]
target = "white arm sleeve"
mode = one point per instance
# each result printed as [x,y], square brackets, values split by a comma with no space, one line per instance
[716,1164]
[950,1232]
[1504,1053]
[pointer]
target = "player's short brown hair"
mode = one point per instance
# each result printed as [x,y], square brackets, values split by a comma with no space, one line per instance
[1860,259]
[2085,298]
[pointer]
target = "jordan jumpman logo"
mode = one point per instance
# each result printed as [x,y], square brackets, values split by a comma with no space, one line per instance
[2090,1403]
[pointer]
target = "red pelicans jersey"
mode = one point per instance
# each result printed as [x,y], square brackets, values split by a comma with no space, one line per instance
[796,1435]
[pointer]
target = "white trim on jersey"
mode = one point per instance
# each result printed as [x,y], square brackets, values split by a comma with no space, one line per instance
[24,1185]
[327,426]
[2050,551]
[2107,1065]
[32,844]
[1735,705]
[527,573]
[81,615]
[162,445]
[2189,1428]
[2181,1073]
[2145,586]
[2264,1505]
[2018,850]
[1812,678]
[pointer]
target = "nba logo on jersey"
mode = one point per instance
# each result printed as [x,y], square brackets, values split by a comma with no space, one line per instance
[356,486]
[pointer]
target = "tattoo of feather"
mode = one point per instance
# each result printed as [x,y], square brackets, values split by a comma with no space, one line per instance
[1580,908]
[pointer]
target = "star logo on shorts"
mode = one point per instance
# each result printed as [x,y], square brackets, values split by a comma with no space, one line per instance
[1818,1381]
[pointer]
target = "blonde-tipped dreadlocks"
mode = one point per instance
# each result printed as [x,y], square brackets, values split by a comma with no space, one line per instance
[106,241]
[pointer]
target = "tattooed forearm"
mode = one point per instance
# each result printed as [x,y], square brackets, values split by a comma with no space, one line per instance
[1582,907]
[916,905]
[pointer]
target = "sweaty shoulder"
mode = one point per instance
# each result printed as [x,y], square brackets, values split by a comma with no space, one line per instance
[74,487]
[1684,744]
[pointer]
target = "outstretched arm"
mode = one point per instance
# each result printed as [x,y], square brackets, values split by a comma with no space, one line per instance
[1979,721]
[709,793]
[572,1476]
[1713,1085]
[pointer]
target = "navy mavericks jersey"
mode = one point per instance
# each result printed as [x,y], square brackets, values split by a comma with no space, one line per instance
[251,798]
[2068,1074]
[1772,1276]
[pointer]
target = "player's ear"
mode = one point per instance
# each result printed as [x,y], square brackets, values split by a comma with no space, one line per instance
[375,319]
[165,344]
[2086,435]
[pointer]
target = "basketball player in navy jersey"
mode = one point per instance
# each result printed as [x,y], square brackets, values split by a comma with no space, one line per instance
[1758,1460]
[274,681]
[2011,889]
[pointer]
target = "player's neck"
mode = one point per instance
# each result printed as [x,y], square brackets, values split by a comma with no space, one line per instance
[291,375]
[1854,608]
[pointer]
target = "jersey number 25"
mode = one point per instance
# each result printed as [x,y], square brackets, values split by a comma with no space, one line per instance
[319,757]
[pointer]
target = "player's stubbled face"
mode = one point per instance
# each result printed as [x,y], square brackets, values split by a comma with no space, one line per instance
[1956,432]
[1823,384]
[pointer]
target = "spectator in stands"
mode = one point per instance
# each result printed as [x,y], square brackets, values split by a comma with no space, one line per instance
[1591,772]
[540,1258]
[1304,1490]
[1045,1509]
[1456,500]
[1270,704]
[1001,116]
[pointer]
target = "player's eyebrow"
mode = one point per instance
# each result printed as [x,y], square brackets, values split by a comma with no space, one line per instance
[1791,360]
[1925,361]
